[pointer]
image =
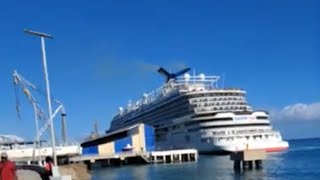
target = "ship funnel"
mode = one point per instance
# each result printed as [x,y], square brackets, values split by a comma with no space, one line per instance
[169,76]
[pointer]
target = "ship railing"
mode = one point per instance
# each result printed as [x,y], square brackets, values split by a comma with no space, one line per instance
[179,83]
[209,82]
[197,79]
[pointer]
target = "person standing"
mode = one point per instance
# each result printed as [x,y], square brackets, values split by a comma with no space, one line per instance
[48,165]
[7,168]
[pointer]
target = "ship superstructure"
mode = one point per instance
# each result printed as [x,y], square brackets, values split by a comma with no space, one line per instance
[191,111]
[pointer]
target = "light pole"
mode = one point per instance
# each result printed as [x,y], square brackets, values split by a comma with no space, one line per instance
[44,58]
[37,130]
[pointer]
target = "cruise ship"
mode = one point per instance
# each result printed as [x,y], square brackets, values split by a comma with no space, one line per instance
[192,111]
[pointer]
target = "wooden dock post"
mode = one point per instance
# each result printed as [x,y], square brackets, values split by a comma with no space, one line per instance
[247,158]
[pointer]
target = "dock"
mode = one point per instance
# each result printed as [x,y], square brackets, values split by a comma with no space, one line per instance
[174,156]
[124,158]
[247,158]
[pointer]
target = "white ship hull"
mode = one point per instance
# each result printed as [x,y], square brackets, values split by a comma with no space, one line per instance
[228,148]
[225,148]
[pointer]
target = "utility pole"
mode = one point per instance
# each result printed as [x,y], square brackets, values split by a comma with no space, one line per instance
[46,76]
[63,127]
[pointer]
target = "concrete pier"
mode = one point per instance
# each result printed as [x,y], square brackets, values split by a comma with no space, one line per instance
[248,159]
[120,159]
[174,156]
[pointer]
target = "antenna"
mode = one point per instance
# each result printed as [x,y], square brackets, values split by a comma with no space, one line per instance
[223,78]
[194,75]
[96,128]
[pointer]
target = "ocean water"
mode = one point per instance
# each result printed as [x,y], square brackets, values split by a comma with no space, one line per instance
[300,161]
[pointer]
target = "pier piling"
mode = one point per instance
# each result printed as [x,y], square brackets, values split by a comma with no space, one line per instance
[248,159]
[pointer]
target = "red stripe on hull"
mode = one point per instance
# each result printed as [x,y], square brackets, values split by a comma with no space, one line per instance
[276,149]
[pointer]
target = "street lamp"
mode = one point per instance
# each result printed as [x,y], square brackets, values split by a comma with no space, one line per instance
[44,58]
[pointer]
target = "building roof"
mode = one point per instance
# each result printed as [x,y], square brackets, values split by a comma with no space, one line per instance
[109,136]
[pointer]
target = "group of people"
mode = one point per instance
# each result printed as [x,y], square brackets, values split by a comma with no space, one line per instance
[8,168]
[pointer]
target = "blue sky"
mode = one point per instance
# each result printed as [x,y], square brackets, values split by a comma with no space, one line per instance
[105,53]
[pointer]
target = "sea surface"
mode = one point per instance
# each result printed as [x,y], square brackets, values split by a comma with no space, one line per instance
[300,161]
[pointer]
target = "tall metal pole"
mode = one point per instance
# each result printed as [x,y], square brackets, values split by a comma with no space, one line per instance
[44,58]
[46,76]
[37,130]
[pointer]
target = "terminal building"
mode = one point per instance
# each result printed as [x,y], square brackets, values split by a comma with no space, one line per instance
[137,138]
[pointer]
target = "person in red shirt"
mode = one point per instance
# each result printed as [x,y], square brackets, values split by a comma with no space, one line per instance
[7,168]
[48,165]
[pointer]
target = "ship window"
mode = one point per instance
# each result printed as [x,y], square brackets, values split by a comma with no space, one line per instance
[262,117]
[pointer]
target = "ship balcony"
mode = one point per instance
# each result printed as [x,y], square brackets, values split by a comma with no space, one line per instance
[220,108]
[221,103]
[218,98]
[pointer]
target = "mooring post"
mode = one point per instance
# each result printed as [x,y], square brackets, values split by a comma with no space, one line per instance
[250,164]
[258,164]
[237,165]
[245,164]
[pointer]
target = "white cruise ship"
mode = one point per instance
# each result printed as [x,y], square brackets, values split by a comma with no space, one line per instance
[191,111]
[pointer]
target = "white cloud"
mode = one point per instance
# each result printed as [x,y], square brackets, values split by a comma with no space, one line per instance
[299,111]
